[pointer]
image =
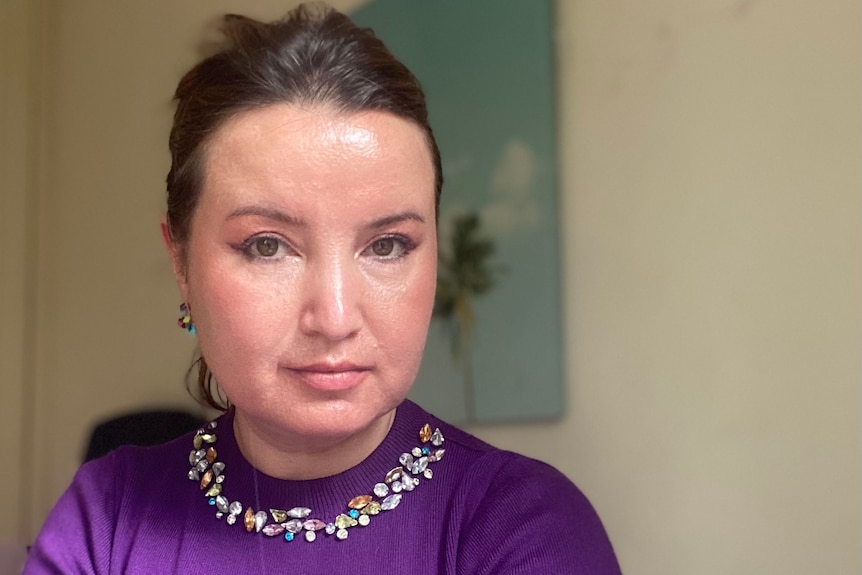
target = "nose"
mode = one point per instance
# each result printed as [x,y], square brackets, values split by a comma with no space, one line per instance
[332,300]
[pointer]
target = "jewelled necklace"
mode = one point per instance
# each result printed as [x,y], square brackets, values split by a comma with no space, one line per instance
[385,496]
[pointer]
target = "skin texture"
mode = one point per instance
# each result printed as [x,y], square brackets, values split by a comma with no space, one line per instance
[310,271]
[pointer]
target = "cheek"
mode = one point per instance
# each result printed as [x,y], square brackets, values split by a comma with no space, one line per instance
[234,311]
[407,312]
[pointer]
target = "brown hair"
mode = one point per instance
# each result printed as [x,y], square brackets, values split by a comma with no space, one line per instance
[312,56]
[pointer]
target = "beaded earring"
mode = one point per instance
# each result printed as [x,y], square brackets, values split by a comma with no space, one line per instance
[185,320]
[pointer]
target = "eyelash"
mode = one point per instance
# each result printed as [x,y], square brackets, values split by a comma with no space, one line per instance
[406,244]
[247,247]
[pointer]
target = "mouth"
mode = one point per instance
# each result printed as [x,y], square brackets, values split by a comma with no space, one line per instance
[330,376]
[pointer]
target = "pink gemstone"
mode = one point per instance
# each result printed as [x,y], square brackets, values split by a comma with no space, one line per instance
[313,525]
[273,529]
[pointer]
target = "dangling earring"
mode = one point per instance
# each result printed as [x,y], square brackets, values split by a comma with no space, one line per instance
[185,320]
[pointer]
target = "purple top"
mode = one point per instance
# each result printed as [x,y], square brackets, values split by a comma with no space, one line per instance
[484,511]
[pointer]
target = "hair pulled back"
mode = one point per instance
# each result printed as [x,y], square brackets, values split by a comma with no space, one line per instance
[314,56]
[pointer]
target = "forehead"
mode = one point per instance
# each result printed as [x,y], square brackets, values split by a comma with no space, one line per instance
[285,149]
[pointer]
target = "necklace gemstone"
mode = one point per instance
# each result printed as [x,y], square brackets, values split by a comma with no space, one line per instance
[209,473]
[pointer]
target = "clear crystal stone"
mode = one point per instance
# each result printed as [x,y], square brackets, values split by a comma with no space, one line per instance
[341,534]
[259,520]
[235,508]
[396,487]
[381,490]
[219,514]
[391,502]
[299,512]
[218,467]
[193,458]
[231,519]
[364,520]
[294,525]
[213,424]
[222,503]
[202,465]
[409,483]
[310,536]
[437,438]
[194,475]
[406,459]
[330,528]
[416,452]
[428,473]
[394,474]
[220,479]
[420,465]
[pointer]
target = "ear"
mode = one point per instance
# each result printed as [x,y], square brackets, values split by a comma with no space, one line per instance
[177,255]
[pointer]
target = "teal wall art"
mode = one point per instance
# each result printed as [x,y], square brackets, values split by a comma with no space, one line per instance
[494,347]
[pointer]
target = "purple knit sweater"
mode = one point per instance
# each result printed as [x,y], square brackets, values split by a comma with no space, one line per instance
[484,511]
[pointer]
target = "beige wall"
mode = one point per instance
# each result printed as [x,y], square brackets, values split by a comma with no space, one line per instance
[710,159]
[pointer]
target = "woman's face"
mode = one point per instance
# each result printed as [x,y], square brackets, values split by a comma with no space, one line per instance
[311,265]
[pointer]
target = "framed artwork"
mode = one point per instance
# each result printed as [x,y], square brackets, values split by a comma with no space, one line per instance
[494,350]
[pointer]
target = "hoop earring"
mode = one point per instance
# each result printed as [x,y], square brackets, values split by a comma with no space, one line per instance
[185,321]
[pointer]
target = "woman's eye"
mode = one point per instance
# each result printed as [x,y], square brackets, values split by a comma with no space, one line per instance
[266,247]
[383,247]
[390,248]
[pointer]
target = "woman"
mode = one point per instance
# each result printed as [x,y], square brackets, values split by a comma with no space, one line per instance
[301,222]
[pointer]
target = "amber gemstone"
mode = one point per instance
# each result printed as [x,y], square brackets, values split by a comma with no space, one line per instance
[211,455]
[360,501]
[206,479]
[248,520]
[425,433]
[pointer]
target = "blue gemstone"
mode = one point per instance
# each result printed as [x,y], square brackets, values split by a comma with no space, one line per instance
[288,536]
[353,513]
[425,451]
[212,501]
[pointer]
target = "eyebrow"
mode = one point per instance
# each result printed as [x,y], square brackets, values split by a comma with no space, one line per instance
[283,217]
[268,213]
[396,219]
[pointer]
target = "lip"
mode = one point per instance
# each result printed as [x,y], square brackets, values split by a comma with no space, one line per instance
[330,376]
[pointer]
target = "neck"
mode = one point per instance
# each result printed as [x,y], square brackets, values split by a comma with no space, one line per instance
[301,458]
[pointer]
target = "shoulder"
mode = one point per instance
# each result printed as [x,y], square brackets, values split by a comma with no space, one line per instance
[81,530]
[529,518]
[517,515]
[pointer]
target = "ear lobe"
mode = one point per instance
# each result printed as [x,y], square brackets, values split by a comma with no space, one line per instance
[175,252]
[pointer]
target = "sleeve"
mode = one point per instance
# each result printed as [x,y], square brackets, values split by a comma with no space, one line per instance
[532,519]
[78,533]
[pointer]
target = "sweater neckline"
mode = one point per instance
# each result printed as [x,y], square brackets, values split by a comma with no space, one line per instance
[329,495]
